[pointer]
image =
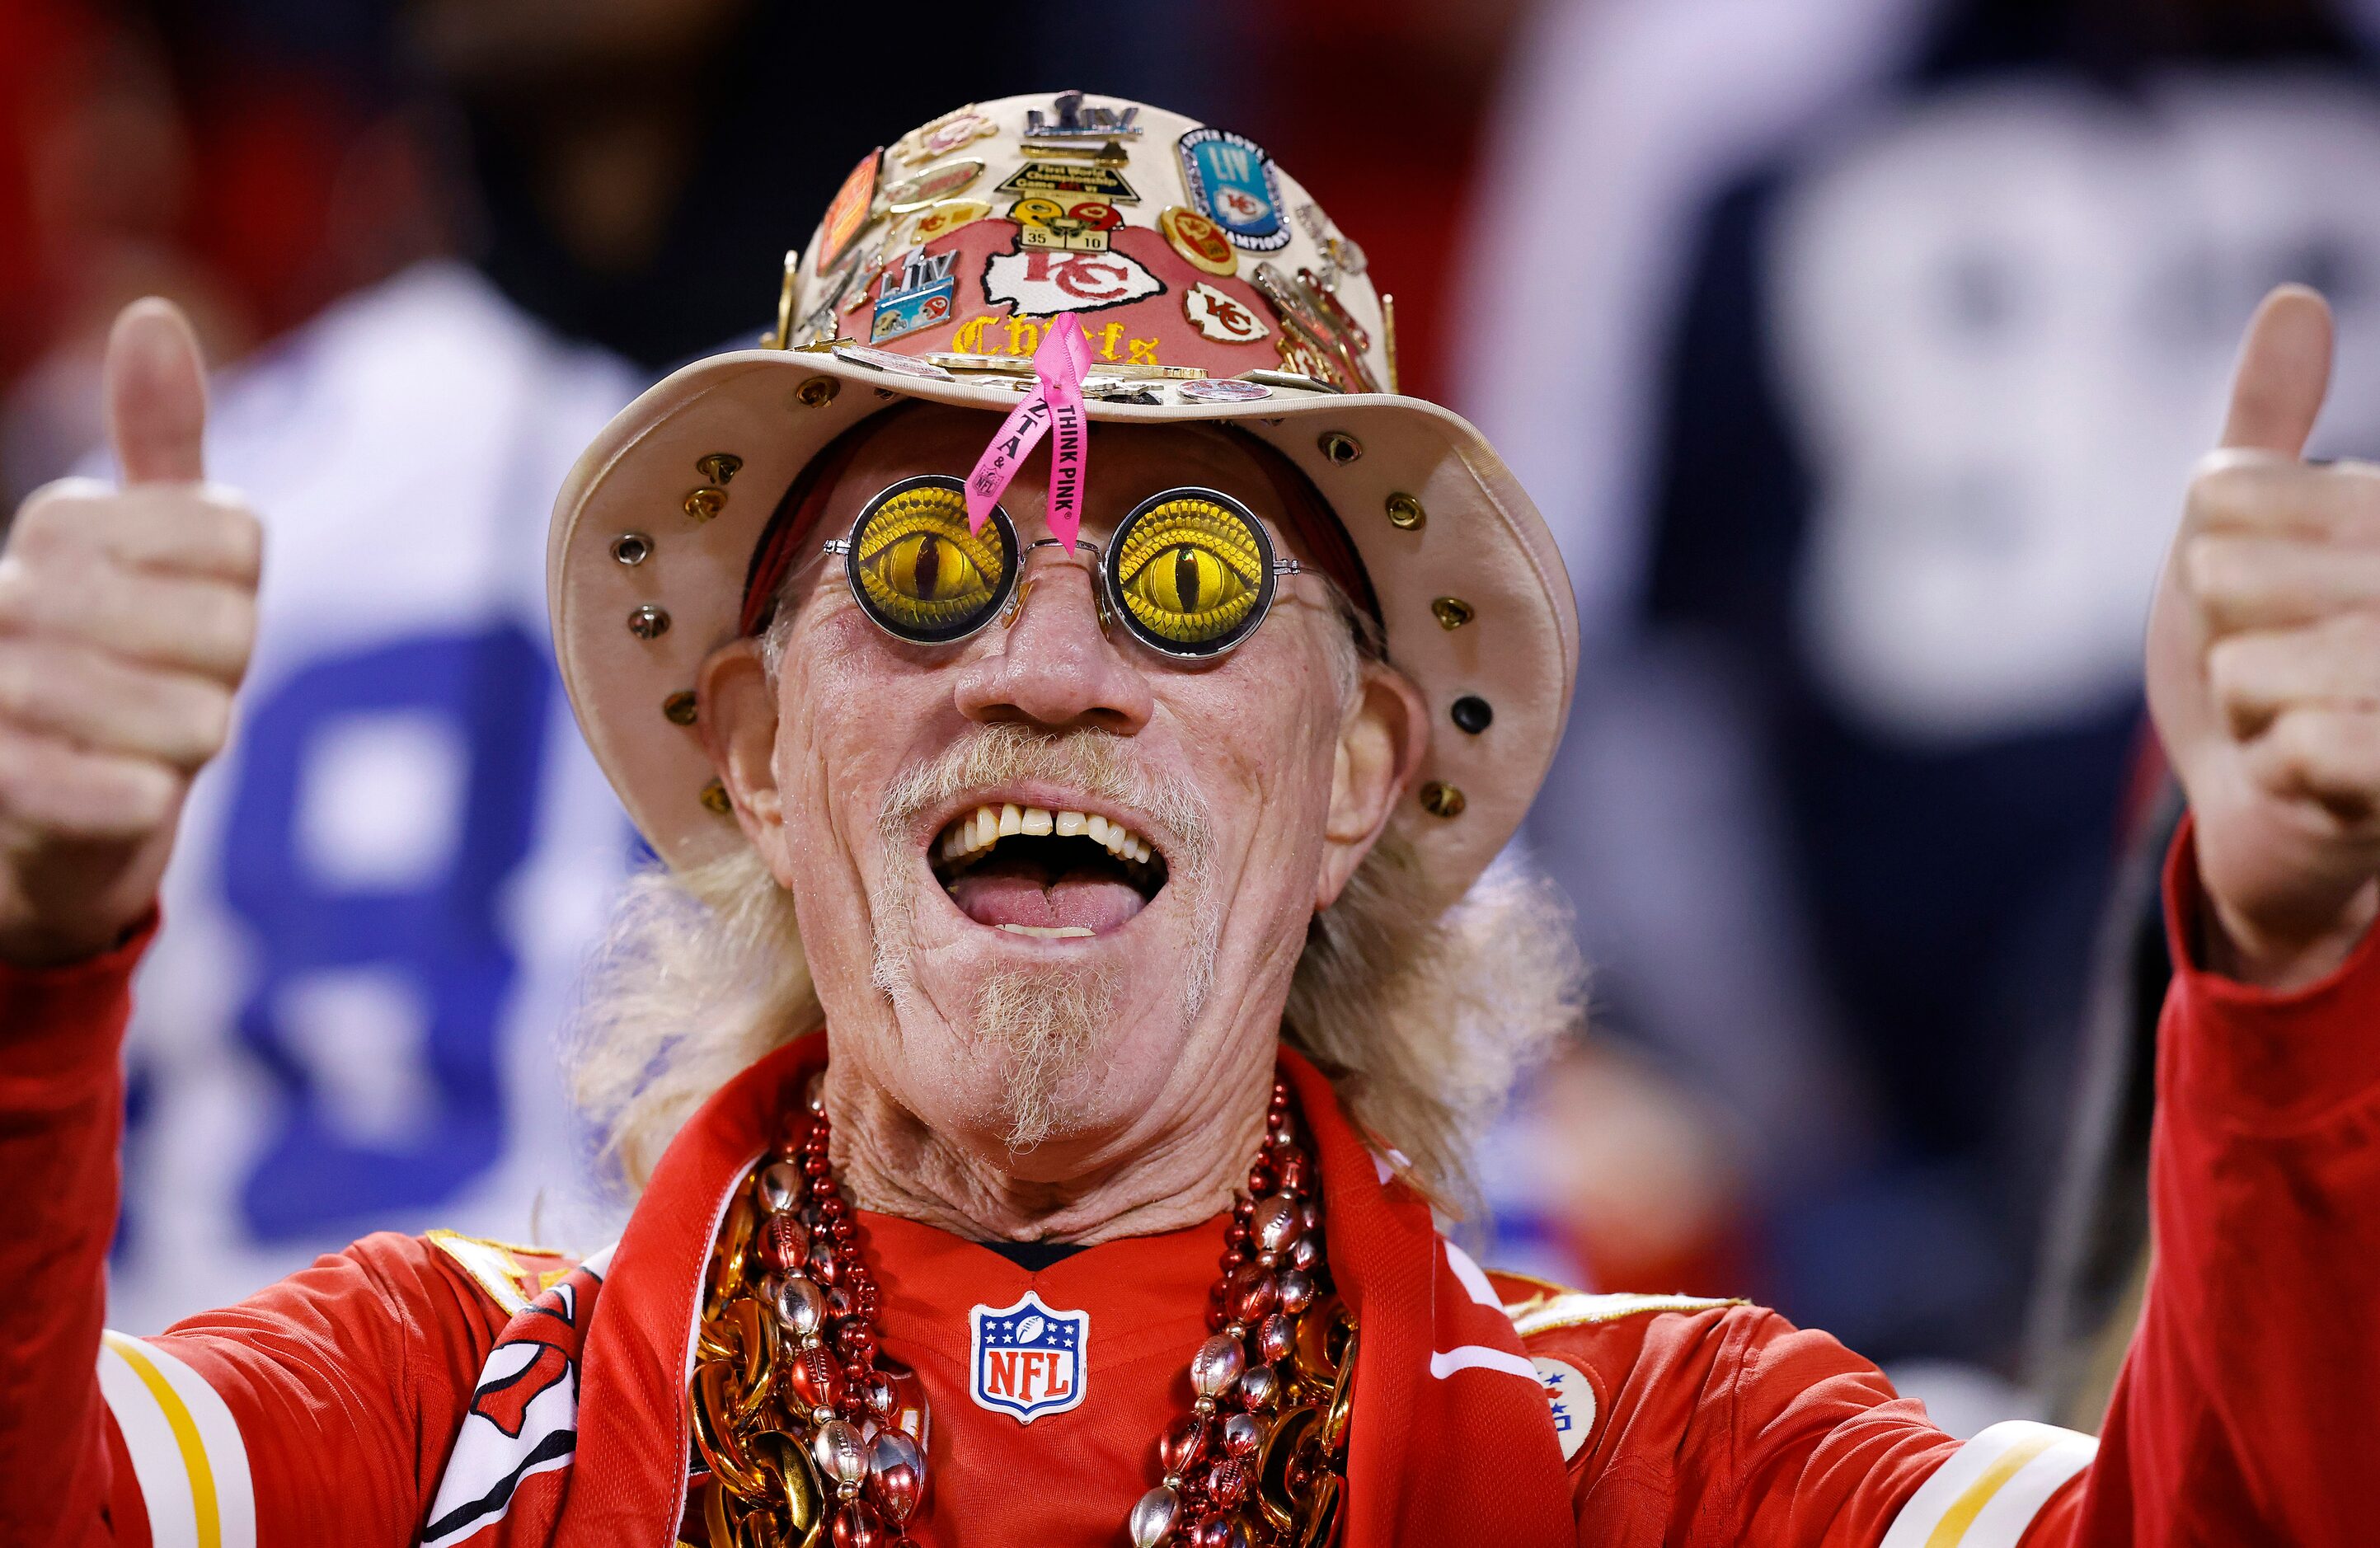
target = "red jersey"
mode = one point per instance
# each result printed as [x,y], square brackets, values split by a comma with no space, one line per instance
[483,1394]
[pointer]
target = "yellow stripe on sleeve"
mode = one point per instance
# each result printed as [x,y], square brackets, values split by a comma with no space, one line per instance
[1952,1529]
[1991,1488]
[206,1513]
[187,1454]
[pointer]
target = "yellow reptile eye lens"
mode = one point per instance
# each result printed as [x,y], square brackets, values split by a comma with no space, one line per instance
[1191,571]
[918,571]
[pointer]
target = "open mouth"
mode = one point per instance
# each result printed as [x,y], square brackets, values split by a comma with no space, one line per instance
[1052,875]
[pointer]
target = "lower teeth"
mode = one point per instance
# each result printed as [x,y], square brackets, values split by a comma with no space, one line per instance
[1050,932]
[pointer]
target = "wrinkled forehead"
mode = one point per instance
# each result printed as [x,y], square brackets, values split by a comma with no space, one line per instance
[1126,463]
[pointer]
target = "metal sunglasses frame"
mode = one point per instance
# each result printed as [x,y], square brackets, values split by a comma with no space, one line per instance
[1009,601]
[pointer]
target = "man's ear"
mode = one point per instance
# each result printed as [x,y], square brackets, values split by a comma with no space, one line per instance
[1381,740]
[738,722]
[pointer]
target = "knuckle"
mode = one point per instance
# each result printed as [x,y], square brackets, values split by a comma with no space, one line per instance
[20,597]
[22,791]
[59,506]
[19,680]
[235,534]
[2232,668]
[2229,486]
[38,530]
[143,794]
[2336,752]
[207,720]
[2297,735]
[231,625]
[185,720]
[2353,489]
[2352,637]
[47,577]
[2214,567]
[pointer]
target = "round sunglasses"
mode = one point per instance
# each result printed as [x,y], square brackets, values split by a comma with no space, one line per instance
[1189,572]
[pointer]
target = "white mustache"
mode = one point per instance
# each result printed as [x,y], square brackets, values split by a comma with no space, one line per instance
[1095,762]
[1047,1021]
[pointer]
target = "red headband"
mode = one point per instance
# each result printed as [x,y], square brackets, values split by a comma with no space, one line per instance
[1302,511]
[797,516]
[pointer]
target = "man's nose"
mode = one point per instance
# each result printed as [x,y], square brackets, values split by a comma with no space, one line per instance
[1055,667]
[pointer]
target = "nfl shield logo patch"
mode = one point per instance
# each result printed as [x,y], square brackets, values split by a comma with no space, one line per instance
[1027,1358]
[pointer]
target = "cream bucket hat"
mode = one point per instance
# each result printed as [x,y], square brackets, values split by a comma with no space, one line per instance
[1210,286]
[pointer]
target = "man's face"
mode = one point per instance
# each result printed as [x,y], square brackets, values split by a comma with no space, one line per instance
[1047,992]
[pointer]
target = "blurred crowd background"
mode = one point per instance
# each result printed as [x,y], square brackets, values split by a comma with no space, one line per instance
[1857,351]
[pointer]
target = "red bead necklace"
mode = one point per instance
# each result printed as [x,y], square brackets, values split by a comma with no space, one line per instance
[805,1430]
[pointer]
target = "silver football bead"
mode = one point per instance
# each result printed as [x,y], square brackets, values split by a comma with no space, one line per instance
[1296,1290]
[1278,1221]
[1306,1252]
[1152,1517]
[801,1306]
[1217,1365]
[841,1453]
[781,1187]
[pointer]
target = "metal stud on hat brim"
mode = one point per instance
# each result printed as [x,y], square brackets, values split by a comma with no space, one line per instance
[1481,542]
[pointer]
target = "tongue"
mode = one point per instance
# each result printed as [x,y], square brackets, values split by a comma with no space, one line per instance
[995,894]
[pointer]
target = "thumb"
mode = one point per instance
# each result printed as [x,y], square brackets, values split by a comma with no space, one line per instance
[155,390]
[2283,374]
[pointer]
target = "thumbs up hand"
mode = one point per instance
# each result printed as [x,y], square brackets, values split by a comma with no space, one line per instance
[2263,667]
[126,619]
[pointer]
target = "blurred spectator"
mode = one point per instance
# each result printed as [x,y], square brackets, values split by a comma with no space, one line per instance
[1379,106]
[638,164]
[1858,351]
[136,160]
[1618,1175]
[384,891]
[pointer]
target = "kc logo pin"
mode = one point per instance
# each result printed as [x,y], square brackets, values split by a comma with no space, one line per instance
[1220,317]
[1027,1360]
[1042,284]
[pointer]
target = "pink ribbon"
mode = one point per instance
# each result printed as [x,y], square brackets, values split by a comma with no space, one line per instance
[1064,356]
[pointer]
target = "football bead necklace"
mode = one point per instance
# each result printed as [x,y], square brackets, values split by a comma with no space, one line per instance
[807,1433]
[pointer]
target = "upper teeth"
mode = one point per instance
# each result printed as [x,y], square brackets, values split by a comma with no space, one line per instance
[986,826]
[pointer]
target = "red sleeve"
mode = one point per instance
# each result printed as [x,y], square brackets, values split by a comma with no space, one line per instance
[319,1410]
[2243,1413]
[347,1381]
[61,1110]
[1728,1426]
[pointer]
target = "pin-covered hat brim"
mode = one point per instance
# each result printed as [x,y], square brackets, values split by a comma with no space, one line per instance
[653,535]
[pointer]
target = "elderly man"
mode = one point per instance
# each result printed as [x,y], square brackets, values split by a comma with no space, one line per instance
[1076,721]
